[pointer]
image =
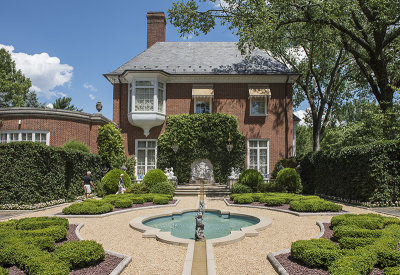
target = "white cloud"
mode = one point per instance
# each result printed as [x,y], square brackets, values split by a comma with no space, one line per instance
[45,72]
[301,114]
[91,96]
[90,87]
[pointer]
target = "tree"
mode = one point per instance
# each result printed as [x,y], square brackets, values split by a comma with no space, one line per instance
[14,86]
[110,147]
[65,103]
[312,52]
[32,101]
[304,140]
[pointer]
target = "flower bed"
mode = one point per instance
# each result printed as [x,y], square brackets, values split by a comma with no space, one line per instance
[112,203]
[295,202]
[48,246]
[351,244]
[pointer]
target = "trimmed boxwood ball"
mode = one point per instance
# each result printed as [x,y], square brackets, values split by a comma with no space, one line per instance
[163,188]
[111,179]
[160,200]
[238,188]
[80,253]
[88,207]
[289,180]
[251,178]
[153,177]
[123,203]
[76,145]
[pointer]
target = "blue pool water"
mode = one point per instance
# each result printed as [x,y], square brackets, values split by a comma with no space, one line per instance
[215,224]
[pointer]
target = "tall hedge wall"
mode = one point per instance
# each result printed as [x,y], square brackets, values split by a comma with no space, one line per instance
[33,172]
[368,172]
[201,136]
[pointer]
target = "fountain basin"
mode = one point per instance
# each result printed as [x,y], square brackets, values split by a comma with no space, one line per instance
[221,227]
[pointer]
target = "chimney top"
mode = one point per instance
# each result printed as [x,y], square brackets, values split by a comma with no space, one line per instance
[155,28]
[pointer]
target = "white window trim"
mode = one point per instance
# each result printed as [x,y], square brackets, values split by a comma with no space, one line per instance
[132,95]
[258,154]
[20,132]
[266,106]
[136,153]
[202,98]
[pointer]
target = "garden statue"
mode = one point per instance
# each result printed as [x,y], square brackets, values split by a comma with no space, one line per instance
[235,173]
[199,234]
[202,170]
[169,172]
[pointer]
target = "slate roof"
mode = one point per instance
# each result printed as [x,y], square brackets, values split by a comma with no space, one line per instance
[202,58]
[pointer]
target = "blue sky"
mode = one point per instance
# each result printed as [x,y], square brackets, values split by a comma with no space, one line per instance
[65,47]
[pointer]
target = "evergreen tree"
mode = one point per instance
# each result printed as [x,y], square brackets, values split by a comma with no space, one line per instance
[65,103]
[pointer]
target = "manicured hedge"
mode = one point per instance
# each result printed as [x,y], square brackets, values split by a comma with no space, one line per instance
[138,200]
[32,172]
[123,203]
[80,253]
[315,253]
[271,201]
[243,199]
[363,173]
[163,188]
[160,200]
[239,188]
[88,207]
[314,205]
[3,271]
[201,136]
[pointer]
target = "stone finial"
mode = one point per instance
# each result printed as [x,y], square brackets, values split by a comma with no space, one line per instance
[99,106]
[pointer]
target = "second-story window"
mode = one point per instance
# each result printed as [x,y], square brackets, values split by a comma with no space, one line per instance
[149,96]
[202,96]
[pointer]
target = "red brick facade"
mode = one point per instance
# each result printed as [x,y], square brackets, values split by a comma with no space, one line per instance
[229,98]
[62,125]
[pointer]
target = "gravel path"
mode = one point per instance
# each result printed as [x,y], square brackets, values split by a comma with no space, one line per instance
[249,256]
[149,256]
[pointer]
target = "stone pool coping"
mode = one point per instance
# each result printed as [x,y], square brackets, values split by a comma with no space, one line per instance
[117,212]
[121,266]
[299,214]
[166,237]
[272,256]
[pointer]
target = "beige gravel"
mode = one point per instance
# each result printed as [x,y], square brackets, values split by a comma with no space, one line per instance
[149,256]
[249,256]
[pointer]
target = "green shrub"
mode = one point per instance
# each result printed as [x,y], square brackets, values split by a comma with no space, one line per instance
[76,145]
[40,222]
[154,177]
[110,146]
[283,163]
[316,252]
[257,196]
[138,200]
[361,263]
[32,172]
[269,186]
[160,199]
[244,199]
[88,208]
[251,178]
[137,188]
[395,270]
[148,197]
[363,173]
[3,271]
[353,243]
[80,253]
[289,180]
[11,224]
[123,203]
[271,201]
[111,179]
[314,205]
[163,188]
[238,188]
[355,232]
[232,196]
[367,221]
[201,136]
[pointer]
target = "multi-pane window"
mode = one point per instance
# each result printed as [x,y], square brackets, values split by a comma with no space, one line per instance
[258,156]
[13,136]
[258,106]
[203,106]
[148,94]
[146,156]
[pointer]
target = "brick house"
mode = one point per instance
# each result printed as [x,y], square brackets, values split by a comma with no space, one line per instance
[171,78]
[52,127]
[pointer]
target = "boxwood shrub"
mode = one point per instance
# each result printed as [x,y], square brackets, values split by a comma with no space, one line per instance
[138,200]
[148,197]
[289,180]
[238,188]
[32,172]
[3,271]
[111,179]
[316,252]
[393,270]
[356,232]
[160,199]
[40,222]
[314,205]
[244,199]
[154,177]
[88,207]
[251,178]
[163,188]
[79,253]
[271,201]
[123,203]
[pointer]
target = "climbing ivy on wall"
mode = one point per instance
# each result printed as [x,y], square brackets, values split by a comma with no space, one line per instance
[201,136]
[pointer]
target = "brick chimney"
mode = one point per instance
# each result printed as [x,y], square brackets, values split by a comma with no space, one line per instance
[155,28]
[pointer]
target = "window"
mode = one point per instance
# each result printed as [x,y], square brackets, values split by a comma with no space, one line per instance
[258,156]
[203,106]
[258,106]
[146,155]
[149,96]
[27,135]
